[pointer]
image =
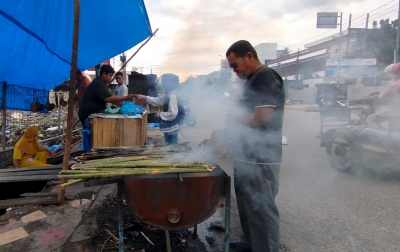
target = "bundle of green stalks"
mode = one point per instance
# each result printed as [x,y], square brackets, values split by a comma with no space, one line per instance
[129,166]
[107,152]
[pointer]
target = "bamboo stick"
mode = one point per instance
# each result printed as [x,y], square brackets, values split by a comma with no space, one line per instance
[73,182]
[136,170]
[120,174]
[142,165]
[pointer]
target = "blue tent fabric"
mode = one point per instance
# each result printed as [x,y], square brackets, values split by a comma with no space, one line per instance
[36,37]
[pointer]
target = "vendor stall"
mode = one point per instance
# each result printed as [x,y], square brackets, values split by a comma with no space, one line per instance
[118,130]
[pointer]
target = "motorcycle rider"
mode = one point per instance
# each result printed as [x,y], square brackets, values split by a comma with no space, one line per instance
[392,93]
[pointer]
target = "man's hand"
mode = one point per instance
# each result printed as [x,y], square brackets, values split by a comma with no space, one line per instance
[157,115]
[129,97]
[140,96]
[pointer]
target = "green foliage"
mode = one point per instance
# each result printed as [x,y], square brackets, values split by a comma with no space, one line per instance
[381,41]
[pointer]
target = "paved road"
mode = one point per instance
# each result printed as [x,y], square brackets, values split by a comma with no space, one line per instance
[326,210]
[322,209]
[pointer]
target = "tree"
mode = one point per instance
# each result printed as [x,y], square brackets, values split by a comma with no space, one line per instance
[286,51]
[381,41]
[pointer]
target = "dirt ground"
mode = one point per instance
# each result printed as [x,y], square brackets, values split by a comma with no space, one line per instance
[105,236]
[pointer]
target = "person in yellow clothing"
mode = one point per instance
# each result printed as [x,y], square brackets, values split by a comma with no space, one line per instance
[28,152]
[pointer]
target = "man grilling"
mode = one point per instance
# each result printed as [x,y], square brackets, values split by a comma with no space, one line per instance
[256,137]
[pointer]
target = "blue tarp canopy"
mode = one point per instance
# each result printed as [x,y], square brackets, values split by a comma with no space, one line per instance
[36,37]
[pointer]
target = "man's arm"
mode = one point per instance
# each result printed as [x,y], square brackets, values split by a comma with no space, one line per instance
[390,91]
[102,92]
[265,96]
[118,99]
[172,109]
[260,116]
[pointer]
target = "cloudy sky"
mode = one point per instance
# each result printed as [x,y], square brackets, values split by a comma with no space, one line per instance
[193,34]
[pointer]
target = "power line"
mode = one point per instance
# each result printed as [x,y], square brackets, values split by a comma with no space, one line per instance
[390,8]
[280,29]
[347,23]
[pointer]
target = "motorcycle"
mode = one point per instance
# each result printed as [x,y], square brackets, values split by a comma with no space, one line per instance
[333,106]
[189,120]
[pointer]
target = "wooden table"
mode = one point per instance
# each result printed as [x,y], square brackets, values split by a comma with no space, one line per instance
[118,130]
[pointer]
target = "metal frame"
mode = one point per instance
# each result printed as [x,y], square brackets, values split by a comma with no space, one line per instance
[120,192]
[338,122]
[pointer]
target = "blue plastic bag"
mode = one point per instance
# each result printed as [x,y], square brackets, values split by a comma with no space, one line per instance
[139,109]
[129,108]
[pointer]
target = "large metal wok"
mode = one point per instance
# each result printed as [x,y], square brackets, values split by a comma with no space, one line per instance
[173,201]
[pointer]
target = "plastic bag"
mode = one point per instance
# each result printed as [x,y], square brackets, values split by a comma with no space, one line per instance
[129,108]
[109,110]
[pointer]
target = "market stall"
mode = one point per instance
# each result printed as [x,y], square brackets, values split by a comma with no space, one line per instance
[118,130]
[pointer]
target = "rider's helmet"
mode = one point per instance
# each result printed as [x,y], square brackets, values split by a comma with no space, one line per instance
[333,84]
[393,69]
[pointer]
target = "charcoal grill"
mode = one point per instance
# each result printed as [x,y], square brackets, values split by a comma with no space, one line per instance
[173,201]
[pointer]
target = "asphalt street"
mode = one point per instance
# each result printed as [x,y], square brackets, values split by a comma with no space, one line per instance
[321,209]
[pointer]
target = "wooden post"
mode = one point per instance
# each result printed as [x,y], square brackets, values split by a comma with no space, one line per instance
[4,110]
[72,80]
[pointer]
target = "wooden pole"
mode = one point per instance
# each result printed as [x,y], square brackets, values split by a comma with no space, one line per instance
[4,119]
[70,118]
[126,62]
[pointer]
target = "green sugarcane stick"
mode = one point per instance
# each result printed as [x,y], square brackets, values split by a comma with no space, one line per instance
[70,183]
[155,166]
[136,170]
[125,159]
[119,166]
[109,175]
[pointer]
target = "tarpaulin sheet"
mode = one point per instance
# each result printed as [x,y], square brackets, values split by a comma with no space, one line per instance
[21,98]
[36,37]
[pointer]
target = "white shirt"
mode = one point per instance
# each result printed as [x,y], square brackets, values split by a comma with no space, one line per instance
[121,90]
[172,106]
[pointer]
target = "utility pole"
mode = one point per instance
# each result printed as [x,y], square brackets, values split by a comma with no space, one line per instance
[348,37]
[340,47]
[365,34]
[286,71]
[396,56]
[297,64]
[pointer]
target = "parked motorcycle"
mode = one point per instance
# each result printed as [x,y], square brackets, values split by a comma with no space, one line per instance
[189,118]
[332,106]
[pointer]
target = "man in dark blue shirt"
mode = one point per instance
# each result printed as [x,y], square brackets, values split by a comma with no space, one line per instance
[256,138]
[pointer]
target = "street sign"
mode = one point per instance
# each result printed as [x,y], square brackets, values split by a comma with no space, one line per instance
[327,19]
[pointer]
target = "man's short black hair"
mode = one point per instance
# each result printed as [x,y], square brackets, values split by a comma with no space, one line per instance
[241,48]
[78,72]
[106,69]
[119,73]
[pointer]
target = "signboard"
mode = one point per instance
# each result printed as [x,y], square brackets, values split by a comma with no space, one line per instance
[327,19]
[351,62]
[351,67]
